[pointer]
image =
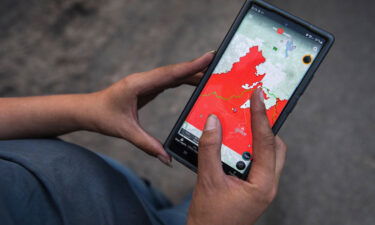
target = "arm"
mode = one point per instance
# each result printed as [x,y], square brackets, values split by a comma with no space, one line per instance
[47,116]
[112,111]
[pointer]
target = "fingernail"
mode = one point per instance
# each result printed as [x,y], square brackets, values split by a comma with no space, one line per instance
[211,122]
[212,52]
[260,94]
[165,160]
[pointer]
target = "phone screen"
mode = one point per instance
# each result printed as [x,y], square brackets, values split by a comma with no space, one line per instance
[267,51]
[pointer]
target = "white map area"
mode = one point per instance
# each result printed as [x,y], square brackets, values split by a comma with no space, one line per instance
[283,67]
[246,105]
[248,87]
[239,47]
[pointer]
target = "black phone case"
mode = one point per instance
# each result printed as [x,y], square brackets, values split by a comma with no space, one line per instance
[292,101]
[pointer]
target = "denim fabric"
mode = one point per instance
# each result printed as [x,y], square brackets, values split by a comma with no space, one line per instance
[48,181]
[158,207]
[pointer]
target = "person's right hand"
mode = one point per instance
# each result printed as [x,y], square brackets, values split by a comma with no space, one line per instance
[222,199]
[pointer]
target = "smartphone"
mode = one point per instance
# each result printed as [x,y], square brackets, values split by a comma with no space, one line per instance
[266,48]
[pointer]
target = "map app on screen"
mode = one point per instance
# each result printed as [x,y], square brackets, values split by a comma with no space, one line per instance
[263,53]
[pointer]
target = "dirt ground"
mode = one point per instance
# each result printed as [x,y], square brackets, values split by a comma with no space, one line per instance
[76,46]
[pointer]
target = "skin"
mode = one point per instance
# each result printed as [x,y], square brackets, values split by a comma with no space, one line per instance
[218,198]
[112,111]
[222,199]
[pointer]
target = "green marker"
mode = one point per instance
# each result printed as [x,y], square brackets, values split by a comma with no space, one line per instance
[275,49]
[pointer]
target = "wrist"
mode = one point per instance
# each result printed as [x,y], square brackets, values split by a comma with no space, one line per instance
[85,111]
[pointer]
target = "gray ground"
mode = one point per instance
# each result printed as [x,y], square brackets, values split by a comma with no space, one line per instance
[71,46]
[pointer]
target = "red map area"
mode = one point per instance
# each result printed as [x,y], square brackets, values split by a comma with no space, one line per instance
[223,96]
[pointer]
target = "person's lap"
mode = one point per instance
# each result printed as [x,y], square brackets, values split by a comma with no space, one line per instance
[154,201]
[157,206]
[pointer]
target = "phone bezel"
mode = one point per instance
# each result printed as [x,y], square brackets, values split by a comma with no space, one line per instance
[190,158]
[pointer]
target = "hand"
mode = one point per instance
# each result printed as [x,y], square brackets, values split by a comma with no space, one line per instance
[116,108]
[222,199]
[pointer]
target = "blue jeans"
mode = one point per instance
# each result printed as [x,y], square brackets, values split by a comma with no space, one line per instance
[78,169]
[157,205]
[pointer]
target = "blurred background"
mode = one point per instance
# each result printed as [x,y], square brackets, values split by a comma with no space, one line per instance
[75,46]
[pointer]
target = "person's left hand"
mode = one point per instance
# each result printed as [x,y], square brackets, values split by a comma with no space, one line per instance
[116,108]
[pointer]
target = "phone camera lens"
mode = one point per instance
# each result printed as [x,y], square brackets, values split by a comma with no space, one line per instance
[307,59]
[240,165]
[246,156]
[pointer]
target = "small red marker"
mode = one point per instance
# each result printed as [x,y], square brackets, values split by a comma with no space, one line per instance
[280,31]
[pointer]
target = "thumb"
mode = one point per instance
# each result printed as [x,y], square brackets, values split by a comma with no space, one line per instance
[149,144]
[209,155]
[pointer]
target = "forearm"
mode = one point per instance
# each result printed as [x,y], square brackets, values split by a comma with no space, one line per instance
[47,116]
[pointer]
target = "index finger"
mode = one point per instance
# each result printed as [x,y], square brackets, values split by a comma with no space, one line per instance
[264,163]
[168,76]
